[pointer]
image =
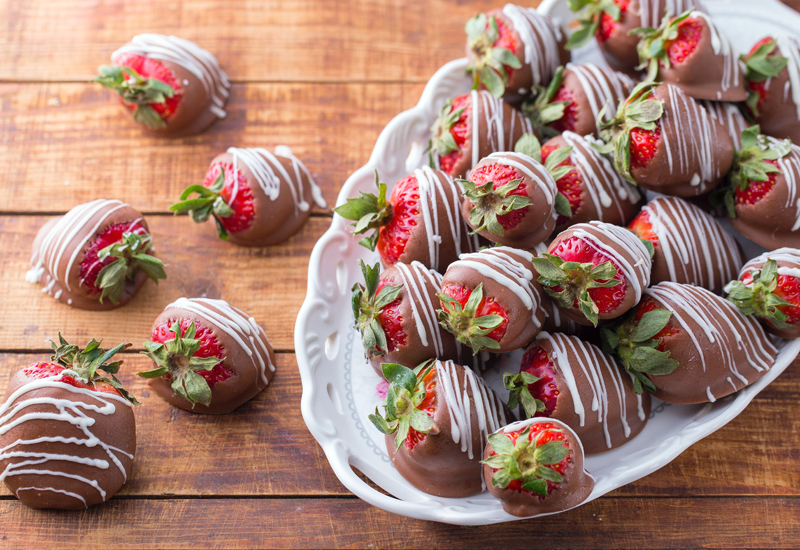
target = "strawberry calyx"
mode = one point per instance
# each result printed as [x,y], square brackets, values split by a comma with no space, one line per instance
[542,109]
[465,324]
[518,386]
[138,91]
[761,64]
[653,47]
[556,163]
[176,357]
[635,341]
[489,62]
[488,203]
[131,256]
[589,13]
[209,202]
[757,297]
[85,363]
[404,396]
[370,213]
[637,111]
[532,460]
[368,302]
[442,141]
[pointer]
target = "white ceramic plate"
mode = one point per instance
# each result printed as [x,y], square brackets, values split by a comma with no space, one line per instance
[340,389]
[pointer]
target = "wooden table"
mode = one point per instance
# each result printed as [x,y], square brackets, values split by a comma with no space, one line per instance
[323,77]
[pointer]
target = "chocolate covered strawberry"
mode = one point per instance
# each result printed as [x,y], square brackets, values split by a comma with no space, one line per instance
[257,198]
[773,82]
[209,357]
[96,256]
[171,86]
[564,378]
[510,199]
[762,193]
[691,52]
[594,271]
[471,127]
[665,141]
[536,467]
[436,420]
[611,23]
[689,245]
[420,221]
[395,312]
[688,345]
[67,430]
[769,288]
[513,49]
[491,300]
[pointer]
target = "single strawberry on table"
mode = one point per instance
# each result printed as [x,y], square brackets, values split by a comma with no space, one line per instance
[67,430]
[536,467]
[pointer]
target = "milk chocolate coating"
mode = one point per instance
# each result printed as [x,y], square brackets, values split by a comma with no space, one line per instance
[514,268]
[114,430]
[572,491]
[594,87]
[778,114]
[539,217]
[62,243]
[692,248]
[605,195]
[709,369]
[425,337]
[731,118]
[774,221]
[499,126]
[252,365]
[276,220]
[586,376]
[694,151]
[555,321]
[439,465]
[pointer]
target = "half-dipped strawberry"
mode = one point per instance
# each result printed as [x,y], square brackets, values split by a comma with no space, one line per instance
[536,467]
[769,288]
[67,431]
[594,271]
[436,420]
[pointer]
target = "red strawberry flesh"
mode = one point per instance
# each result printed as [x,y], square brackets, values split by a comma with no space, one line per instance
[649,304]
[460,131]
[570,185]
[394,236]
[756,190]
[690,31]
[91,264]
[789,289]
[547,437]
[499,175]
[536,362]
[643,228]
[243,206]
[153,68]
[209,347]
[428,405]
[760,88]
[607,24]
[569,119]
[392,322]
[46,370]
[487,306]
[644,144]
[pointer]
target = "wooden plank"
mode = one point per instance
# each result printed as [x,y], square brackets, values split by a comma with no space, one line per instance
[254,40]
[64,144]
[350,523]
[264,448]
[268,283]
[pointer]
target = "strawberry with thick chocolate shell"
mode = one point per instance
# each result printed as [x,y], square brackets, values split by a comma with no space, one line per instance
[564,378]
[535,467]
[420,221]
[763,191]
[688,345]
[665,141]
[510,199]
[513,49]
[689,245]
[491,300]
[773,82]
[471,127]
[691,52]
[395,312]
[595,271]
[768,287]
[436,421]
[67,431]
[96,256]
[209,357]
[171,86]
[257,198]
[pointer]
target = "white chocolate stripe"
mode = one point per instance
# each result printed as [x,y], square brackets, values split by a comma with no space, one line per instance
[540,36]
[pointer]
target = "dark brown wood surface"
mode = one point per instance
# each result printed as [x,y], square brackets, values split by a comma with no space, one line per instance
[324,77]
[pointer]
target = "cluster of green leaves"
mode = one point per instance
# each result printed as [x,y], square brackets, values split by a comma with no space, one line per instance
[588,13]
[369,212]
[464,323]
[207,203]
[442,141]
[488,62]
[761,65]
[137,90]
[529,145]
[520,394]
[367,304]
[759,298]
[652,47]
[540,108]
[131,255]
[488,203]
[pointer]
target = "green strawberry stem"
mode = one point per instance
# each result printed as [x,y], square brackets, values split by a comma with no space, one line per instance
[588,13]
[540,108]
[526,460]
[86,362]
[529,145]
[368,304]
[758,298]
[209,202]
[442,141]
[131,255]
[370,212]
[575,280]
[520,394]
[489,203]
[405,393]
[488,63]
[465,325]
[760,66]
[176,358]
[138,91]
[652,47]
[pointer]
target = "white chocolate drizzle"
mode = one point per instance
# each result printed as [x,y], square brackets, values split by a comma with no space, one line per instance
[788,260]
[789,166]
[603,87]
[540,36]
[729,115]
[416,280]
[731,68]
[652,12]
[790,49]
[492,110]
[529,167]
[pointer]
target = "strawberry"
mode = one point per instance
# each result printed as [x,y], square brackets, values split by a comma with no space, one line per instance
[763,63]
[570,185]
[376,310]
[475,321]
[534,387]
[598,18]
[145,86]
[609,21]
[494,49]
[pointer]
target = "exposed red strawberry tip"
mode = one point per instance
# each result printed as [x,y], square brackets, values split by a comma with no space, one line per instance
[570,185]
[460,131]
[499,175]
[209,347]
[394,236]
[392,322]
[644,144]
[607,25]
[428,405]
[689,33]
[789,289]
[643,228]
[153,68]
[568,122]
[487,306]
[536,362]
[46,370]
[91,264]
[756,190]
[552,432]
[243,206]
